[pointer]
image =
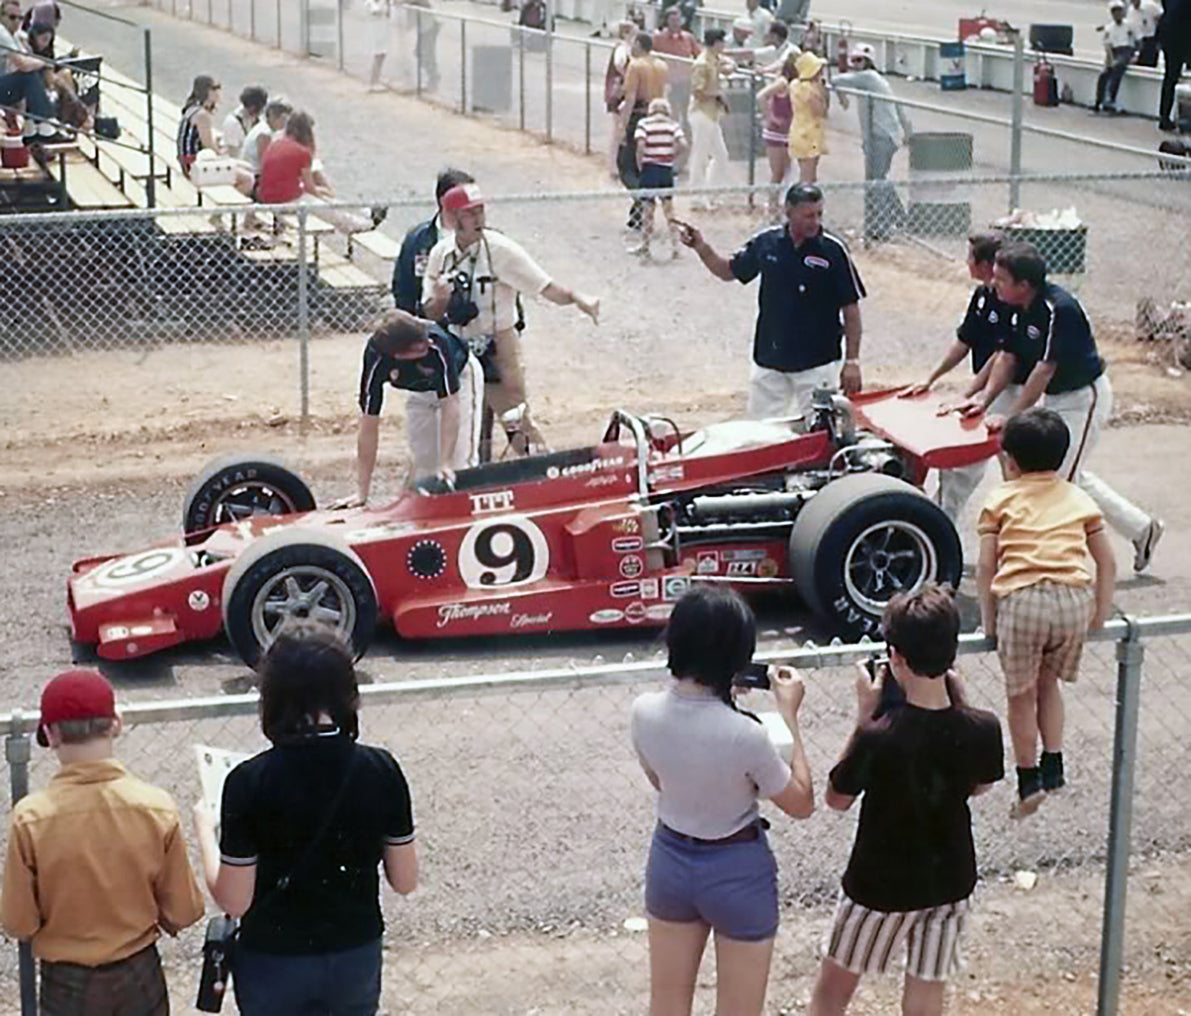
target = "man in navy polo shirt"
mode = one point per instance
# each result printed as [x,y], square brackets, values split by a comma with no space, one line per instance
[1050,334]
[809,304]
[446,388]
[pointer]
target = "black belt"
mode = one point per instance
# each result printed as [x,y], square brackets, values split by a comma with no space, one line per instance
[750,832]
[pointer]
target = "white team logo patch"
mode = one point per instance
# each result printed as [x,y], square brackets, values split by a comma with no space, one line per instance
[1034,332]
[811,261]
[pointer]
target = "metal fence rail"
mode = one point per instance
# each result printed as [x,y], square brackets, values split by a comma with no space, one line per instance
[533,819]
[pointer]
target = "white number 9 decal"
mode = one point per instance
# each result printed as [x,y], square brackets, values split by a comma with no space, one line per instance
[508,551]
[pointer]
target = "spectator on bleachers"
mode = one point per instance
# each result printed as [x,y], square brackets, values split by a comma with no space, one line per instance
[305,827]
[59,84]
[196,130]
[22,80]
[47,14]
[243,118]
[286,165]
[265,130]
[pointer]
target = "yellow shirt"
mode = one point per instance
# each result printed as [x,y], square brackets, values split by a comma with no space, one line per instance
[96,867]
[1042,524]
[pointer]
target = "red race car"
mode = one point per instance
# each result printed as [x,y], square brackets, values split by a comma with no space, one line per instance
[605,536]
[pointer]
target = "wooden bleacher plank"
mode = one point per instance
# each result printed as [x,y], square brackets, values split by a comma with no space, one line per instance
[346,277]
[87,187]
[376,243]
[223,195]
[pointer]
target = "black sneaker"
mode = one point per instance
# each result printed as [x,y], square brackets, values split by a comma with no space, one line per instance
[1051,768]
[1029,792]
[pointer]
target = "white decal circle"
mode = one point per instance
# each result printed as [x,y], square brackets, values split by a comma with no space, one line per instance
[198,600]
[136,567]
[507,551]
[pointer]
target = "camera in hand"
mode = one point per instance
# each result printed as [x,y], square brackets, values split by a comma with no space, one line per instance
[217,963]
[892,695]
[755,675]
[461,308]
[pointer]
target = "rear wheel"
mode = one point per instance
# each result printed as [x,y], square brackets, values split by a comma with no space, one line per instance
[297,575]
[236,487]
[865,538]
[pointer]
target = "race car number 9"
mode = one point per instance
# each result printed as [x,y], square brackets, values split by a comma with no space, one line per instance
[509,551]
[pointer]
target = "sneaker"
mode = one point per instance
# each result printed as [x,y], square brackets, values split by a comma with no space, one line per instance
[1143,546]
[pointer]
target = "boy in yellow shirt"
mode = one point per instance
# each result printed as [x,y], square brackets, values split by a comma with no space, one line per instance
[1045,576]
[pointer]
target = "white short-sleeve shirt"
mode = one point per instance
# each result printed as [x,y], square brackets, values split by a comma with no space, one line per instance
[498,269]
[233,133]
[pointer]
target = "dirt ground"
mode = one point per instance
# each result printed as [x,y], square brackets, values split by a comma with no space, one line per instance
[97,448]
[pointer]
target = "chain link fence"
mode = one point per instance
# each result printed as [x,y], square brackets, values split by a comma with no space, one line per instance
[534,821]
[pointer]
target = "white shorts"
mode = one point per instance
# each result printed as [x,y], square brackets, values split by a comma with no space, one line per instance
[421,421]
[864,941]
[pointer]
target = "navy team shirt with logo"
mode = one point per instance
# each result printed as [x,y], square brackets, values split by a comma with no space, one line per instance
[1054,329]
[438,371]
[803,288]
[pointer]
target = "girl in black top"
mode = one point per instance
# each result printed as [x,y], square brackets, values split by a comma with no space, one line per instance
[305,826]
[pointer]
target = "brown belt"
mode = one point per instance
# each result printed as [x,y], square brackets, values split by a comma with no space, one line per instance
[750,832]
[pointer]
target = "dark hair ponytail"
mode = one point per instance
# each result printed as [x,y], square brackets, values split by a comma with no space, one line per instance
[711,638]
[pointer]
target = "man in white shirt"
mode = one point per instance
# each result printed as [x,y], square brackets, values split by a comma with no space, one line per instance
[761,20]
[1142,16]
[1119,46]
[472,279]
[243,118]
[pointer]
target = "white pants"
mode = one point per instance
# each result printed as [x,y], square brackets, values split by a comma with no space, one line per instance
[781,394]
[1085,411]
[956,486]
[422,411]
[708,163]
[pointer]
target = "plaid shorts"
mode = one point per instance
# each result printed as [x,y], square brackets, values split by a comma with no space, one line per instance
[1040,633]
[134,986]
[864,941]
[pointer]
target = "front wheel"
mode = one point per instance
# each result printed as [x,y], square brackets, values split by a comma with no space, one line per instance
[297,575]
[865,538]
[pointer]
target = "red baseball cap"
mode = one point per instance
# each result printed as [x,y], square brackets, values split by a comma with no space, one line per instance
[462,196]
[75,695]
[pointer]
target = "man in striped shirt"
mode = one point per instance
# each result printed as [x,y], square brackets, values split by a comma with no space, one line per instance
[660,142]
[917,755]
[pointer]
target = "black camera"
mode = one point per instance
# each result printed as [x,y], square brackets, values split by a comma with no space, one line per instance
[461,308]
[755,675]
[217,963]
[892,695]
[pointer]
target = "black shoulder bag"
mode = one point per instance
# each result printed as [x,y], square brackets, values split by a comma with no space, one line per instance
[222,931]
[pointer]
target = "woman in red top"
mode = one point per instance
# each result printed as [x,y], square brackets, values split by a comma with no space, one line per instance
[286,166]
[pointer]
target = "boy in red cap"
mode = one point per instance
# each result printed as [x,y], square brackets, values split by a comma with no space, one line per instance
[96,866]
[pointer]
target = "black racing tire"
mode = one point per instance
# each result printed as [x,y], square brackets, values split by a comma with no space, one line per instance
[233,487]
[332,586]
[863,538]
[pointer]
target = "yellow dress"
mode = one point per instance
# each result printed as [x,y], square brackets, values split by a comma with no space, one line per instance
[807,128]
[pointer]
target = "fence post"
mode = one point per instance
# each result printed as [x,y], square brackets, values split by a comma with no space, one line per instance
[463,67]
[279,46]
[252,20]
[210,13]
[151,181]
[1019,80]
[549,71]
[1130,652]
[230,19]
[752,129]
[17,751]
[418,52]
[521,74]
[587,99]
[339,35]
[303,320]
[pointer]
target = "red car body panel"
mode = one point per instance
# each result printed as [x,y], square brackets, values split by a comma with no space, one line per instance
[568,549]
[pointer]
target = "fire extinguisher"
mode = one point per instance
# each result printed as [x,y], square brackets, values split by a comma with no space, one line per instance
[1046,87]
[842,45]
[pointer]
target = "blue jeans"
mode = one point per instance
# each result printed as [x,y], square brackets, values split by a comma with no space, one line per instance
[343,983]
[30,88]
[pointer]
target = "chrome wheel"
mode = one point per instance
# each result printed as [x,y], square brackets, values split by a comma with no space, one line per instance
[298,592]
[252,497]
[886,559]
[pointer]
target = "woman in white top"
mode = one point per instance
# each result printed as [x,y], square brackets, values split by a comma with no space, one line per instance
[710,867]
[270,125]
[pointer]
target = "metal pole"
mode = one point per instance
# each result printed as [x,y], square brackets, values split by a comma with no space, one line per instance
[229,15]
[151,181]
[549,71]
[1019,80]
[751,120]
[210,14]
[339,34]
[1124,759]
[587,99]
[17,751]
[279,24]
[418,52]
[463,67]
[303,321]
[252,20]
[521,73]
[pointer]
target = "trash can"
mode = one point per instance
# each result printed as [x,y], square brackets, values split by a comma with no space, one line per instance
[491,79]
[940,199]
[953,74]
[1065,250]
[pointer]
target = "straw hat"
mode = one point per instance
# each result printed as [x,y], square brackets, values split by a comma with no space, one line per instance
[808,65]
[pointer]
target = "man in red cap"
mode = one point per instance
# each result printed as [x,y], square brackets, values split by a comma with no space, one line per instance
[472,280]
[96,865]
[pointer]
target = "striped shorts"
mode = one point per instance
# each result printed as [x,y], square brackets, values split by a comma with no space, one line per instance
[1040,633]
[864,941]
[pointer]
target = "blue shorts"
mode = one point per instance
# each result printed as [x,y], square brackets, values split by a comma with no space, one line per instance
[655,177]
[732,887]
